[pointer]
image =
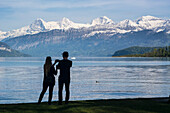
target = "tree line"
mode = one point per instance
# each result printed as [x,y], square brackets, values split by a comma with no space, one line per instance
[157,52]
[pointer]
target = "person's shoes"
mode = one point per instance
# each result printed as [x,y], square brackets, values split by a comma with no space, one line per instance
[66,102]
[169,102]
[59,103]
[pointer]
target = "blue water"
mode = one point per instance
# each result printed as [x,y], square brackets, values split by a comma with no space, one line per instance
[91,78]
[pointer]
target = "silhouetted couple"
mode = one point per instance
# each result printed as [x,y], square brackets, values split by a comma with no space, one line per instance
[63,79]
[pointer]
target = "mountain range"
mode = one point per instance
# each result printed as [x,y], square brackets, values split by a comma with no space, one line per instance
[102,37]
[142,23]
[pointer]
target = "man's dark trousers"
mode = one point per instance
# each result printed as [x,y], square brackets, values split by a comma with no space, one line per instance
[61,83]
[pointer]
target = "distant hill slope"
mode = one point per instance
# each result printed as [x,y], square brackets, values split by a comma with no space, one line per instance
[6,51]
[53,43]
[134,50]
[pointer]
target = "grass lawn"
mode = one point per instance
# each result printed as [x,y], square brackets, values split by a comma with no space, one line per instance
[92,106]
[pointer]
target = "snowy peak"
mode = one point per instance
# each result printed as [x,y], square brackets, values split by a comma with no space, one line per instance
[67,24]
[127,23]
[38,24]
[102,21]
[66,21]
[148,18]
[150,22]
[39,20]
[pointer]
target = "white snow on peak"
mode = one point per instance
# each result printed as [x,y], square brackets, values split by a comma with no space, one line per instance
[150,22]
[148,17]
[52,25]
[38,25]
[35,27]
[102,21]
[65,23]
[127,23]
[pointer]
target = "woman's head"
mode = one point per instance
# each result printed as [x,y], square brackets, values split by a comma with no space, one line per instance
[48,60]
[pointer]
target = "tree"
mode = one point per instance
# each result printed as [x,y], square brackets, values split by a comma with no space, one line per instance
[155,52]
[164,52]
[169,51]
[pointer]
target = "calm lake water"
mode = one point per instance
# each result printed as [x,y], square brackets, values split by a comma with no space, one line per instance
[91,78]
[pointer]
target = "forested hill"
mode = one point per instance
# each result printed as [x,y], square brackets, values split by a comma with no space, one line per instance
[134,50]
[6,51]
[144,52]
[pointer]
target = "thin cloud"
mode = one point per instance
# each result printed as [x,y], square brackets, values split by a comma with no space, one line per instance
[42,4]
[51,4]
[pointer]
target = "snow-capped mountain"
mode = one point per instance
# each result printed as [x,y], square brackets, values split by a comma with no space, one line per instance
[39,25]
[150,22]
[102,25]
[102,21]
[127,24]
[36,27]
[64,24]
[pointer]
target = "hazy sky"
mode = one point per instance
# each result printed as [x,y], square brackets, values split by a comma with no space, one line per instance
[18,13]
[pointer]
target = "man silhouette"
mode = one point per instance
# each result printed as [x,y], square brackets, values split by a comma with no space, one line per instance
[64,77]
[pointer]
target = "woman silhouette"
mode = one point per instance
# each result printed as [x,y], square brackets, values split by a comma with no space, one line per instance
[49,79]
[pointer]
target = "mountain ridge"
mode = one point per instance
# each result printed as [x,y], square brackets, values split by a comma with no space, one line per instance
[54,42]
[142,23]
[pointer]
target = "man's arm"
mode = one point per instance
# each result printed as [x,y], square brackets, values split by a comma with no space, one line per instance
[53,69]
[58,66]
[55,62]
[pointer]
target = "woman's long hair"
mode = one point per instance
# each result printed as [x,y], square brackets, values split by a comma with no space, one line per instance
[47,65]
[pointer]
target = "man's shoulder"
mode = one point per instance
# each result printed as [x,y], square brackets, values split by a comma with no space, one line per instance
[69,60]
[65,61]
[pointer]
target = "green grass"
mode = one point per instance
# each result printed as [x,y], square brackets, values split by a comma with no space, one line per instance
[93,106]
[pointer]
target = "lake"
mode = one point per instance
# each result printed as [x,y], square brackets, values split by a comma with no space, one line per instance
[91,78]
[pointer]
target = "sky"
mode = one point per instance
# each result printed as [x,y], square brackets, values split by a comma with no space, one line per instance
[15,14]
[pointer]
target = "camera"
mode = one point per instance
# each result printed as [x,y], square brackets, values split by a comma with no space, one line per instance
[57,60]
